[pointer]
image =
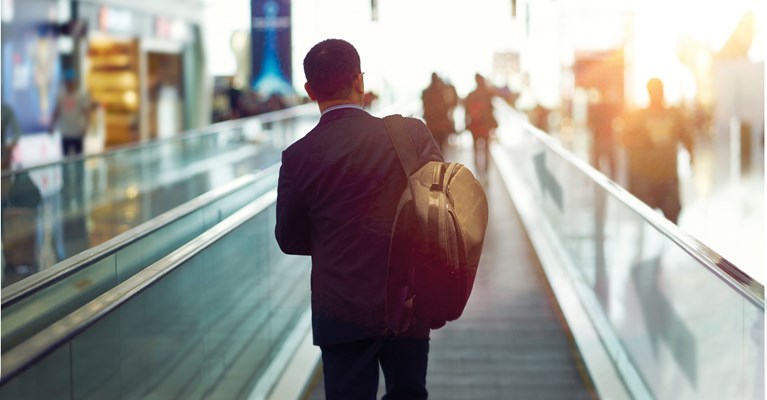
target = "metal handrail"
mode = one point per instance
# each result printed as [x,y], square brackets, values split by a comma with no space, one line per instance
[22,289]
[26,354]
[49,339]
[213,129]
[751,289]
[26,287]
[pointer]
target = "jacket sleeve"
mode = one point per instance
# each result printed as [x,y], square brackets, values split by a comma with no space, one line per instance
[293,229]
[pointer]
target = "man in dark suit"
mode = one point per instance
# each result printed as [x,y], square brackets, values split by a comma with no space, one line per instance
[337,195]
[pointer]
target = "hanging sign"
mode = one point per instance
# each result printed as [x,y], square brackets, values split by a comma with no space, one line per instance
[272,61]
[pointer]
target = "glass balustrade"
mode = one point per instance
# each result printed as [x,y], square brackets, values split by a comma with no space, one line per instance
[53,212]
[669,310]
[207,328]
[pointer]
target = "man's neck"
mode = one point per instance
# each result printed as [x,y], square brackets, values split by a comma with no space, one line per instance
[324,105]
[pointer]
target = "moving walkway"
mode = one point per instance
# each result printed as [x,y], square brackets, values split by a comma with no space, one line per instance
[637,309]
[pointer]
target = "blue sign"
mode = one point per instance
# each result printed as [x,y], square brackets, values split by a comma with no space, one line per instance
[272,62]
[31,68]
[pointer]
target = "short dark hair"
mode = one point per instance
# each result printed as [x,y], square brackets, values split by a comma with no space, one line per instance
[330,68]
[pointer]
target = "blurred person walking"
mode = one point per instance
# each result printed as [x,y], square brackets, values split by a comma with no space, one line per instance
[72,116]
[603,116]
[651,138]
[451,99]
[539,117]
[338,190]
[21,212]
[11,133]
[481,123]
[436,110]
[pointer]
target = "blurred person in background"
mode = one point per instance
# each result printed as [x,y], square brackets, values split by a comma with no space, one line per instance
[539,117]
[11,132]
[436,111]
[651,139]
[368,100]
[603,117]
[481,123]
[72,116]
[451,98]
[234,94]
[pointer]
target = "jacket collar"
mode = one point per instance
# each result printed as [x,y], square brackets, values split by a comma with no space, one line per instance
[340,113]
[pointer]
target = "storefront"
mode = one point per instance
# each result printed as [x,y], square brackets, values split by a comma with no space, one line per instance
[142,68]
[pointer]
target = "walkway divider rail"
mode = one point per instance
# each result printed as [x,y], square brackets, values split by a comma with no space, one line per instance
[304,110]
[31,304]
[31,353]
[657,298]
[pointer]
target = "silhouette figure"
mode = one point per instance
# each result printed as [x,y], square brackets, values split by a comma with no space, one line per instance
[651,139]
[602,117]
[436,110]
[72,116]
[481,123]
[20,213]
[11,132]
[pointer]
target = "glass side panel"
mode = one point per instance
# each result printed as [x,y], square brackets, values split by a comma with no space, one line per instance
[208,329]
[218,210]
[51,378]
[158,244]
[95,358]
[21,320]
[753,359]
[51,213]
[32,314]
[660,312]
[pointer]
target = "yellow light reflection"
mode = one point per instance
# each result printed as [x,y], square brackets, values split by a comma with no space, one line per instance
[131,192]
[130,98]
[676,41]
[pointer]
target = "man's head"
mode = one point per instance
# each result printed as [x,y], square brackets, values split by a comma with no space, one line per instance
[435,79]
[480,80]
[655,90]
[332,69]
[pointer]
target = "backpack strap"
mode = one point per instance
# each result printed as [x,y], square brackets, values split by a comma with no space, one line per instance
[403,143]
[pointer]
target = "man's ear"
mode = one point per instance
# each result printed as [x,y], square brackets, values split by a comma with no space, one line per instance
[309,91]
[359,84]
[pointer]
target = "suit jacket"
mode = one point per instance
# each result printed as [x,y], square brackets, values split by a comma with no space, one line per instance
[337,194]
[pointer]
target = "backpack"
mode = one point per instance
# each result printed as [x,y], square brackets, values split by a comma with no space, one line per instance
[436,241]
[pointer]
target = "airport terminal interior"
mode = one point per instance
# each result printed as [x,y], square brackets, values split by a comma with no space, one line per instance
[142,144]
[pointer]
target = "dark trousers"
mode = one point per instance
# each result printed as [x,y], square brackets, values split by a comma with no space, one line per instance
[482,156]
[74,144]
[403,362]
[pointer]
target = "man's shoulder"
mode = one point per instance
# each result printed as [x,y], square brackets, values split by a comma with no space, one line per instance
[413,122]
[296,148]
[316,135]
[473,96]
[415,126]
